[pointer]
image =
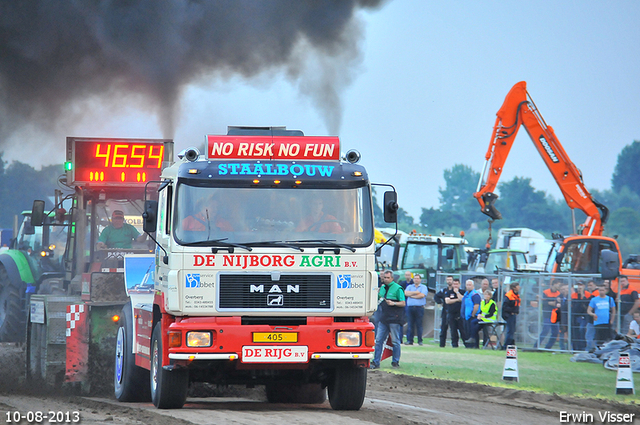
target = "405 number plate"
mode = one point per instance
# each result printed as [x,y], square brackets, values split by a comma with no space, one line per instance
[275,337]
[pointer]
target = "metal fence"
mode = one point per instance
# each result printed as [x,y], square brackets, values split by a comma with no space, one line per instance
[572,332]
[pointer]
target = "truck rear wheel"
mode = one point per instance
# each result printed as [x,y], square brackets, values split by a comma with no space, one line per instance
[286,392]
[12,313]
[347,388]
[168,387]
[131,382]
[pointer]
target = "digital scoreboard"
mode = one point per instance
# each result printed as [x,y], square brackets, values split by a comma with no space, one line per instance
[109,162]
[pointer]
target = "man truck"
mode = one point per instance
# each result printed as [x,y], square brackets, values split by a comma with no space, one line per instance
[263,273]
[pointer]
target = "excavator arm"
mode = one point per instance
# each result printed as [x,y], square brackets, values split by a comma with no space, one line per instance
[518,110]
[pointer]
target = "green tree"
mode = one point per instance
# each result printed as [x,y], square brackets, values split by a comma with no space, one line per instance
[20,184]
[456,199]
[627,172]
[624,221]
[523,206]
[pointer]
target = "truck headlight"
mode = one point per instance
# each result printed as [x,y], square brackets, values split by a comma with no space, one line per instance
[348,339]
[198,339]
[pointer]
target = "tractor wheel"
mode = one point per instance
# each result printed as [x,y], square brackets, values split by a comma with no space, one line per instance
[168,387]
[12,311]
[286,392]
[131,382]
[347,388]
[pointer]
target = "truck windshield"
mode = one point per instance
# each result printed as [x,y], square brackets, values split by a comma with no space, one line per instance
[425,256]
[272,215]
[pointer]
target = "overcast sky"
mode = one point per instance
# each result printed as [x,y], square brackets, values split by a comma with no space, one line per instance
[424,95]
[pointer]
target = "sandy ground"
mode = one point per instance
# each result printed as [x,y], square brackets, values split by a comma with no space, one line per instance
[391,399]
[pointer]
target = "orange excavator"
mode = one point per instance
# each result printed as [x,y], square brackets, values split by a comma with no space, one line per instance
[578,253]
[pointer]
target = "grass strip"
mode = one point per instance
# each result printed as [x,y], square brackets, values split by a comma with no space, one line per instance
[539,371]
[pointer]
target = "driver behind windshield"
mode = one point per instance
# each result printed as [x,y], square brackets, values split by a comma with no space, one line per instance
[119,234]
[318,220]
[207,218]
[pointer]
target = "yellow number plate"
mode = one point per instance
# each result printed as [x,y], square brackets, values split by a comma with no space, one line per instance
[275,337]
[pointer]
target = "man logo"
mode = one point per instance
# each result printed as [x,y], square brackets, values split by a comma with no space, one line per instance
[344,281]
[275,300]
[193,280]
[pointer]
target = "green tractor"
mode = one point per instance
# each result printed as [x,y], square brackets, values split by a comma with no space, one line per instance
[33,263]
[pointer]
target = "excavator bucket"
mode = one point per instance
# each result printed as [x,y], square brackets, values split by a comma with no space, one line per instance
[489,209]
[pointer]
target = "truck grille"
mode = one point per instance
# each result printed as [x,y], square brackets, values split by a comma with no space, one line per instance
[258,292]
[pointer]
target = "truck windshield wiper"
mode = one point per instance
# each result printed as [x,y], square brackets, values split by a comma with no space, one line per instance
[273,243]
[219,243]
[331,243]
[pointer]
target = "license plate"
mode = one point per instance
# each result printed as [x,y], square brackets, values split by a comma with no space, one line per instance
[275,337]
[275,354]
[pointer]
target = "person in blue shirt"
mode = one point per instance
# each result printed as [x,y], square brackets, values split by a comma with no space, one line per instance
[416,297]
[603,310]
[471,305]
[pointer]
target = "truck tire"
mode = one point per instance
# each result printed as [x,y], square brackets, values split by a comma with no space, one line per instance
[12,311]
[347,388]
[286,392]
[131,382]
[168,387]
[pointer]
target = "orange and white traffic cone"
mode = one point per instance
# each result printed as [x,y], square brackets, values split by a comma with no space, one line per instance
[510,372]
[624,383]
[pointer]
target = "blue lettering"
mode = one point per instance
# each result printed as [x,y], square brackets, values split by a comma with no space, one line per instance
[269,170]
[311,170]
[325,171]
[283,169]
[297,169]
[275,169]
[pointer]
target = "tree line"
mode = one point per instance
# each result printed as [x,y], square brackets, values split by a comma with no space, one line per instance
[522,205]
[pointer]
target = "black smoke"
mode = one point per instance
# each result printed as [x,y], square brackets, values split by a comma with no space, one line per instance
[55,54]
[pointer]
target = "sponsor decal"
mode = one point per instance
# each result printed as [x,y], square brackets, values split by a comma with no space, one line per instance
[268,147]
[295,170]
[275,354]
[192,280]
[270,261]
[347,281]
[320,261]
[344,281]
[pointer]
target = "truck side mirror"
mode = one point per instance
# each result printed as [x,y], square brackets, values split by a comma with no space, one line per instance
[149,216]
[609,264]
[559,258]
[390,207]
[449,254]
[37,213]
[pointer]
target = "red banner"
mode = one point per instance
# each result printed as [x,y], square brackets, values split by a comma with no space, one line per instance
[267,147]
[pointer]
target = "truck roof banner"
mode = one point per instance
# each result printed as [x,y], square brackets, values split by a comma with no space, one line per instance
[267,147]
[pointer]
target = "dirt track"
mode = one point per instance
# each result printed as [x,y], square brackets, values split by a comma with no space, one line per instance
[391,399]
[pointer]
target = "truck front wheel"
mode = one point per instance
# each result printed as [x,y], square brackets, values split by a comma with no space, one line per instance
[168,387]
[131,382]
[347,388]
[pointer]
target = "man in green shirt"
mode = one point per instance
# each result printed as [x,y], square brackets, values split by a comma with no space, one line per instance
[390,319]
[119,234]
